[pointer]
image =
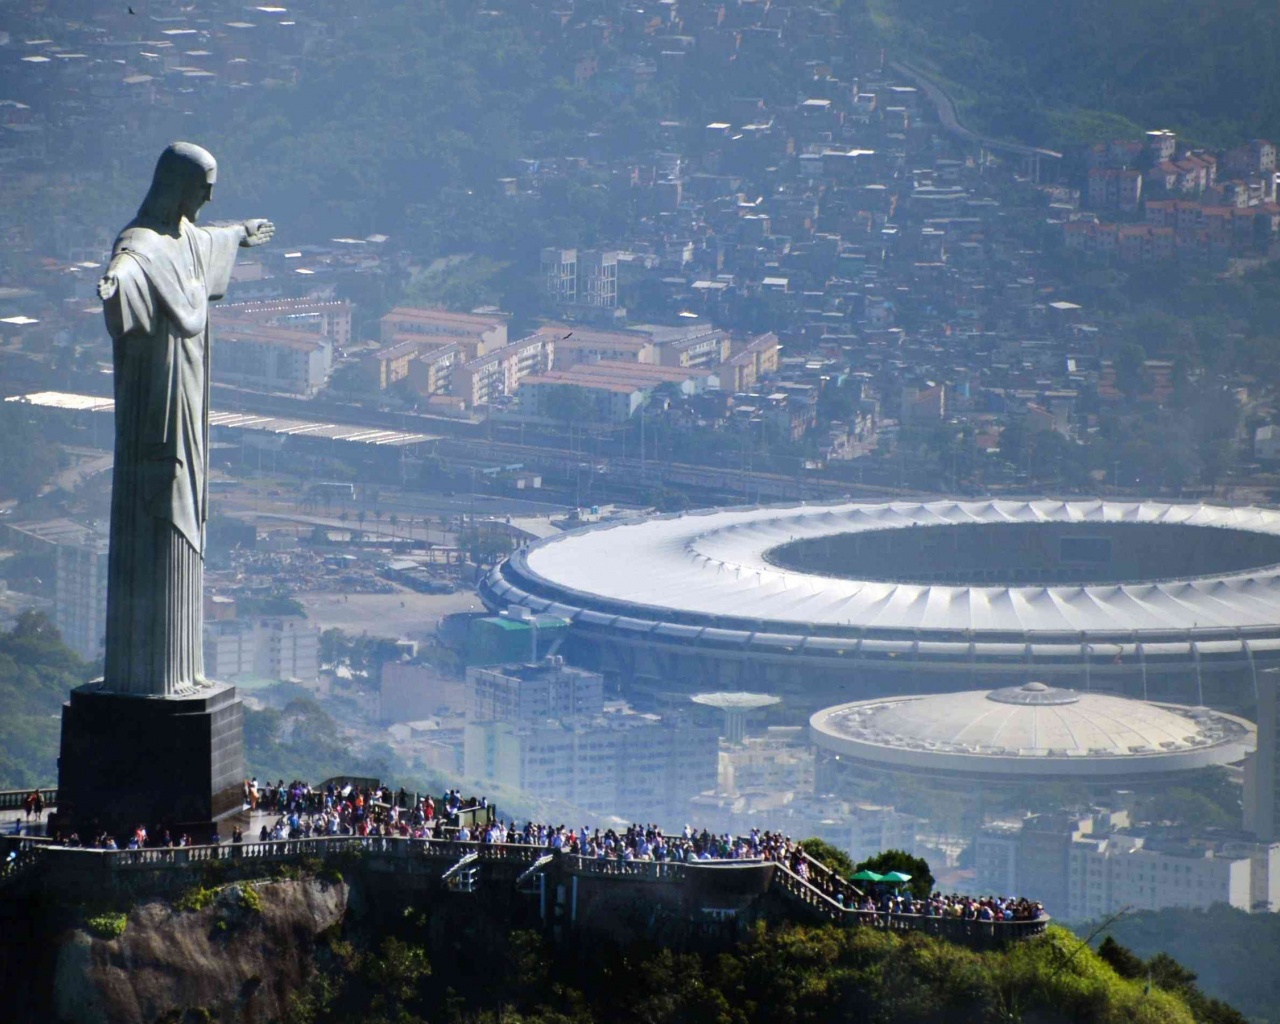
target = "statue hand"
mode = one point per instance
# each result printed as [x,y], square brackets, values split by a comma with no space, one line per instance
[107,286]
[257,232]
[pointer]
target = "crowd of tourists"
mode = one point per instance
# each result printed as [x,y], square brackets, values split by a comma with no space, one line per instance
[335,809]
[954,906]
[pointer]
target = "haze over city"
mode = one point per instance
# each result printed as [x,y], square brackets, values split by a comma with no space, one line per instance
[753,509]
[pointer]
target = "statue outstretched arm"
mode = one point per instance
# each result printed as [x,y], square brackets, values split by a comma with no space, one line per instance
[257,231]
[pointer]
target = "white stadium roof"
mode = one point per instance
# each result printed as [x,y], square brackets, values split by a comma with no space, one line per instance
[1031,730]
[711,566]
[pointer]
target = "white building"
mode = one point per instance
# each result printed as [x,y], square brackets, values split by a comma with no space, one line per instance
[1106,873]
[995,859]
[533,693]
[1087,867]
[80,595]
[874,828]
[284,647]
[252,355]
[619,762]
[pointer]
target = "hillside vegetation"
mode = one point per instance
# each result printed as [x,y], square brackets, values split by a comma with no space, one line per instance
[1056,73]
[37,672]
[792,975]
[1235,956]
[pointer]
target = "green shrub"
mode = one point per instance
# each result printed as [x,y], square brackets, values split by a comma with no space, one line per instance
[195,898]
[108,925]
[250,899]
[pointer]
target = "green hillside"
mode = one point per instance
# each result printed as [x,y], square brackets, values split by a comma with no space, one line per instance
[1236,956]
[1056,73]
[791,975]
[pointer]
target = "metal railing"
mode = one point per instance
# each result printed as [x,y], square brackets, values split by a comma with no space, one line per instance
[956,928]
[19,856]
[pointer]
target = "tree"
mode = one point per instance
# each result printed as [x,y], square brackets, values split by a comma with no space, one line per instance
[37,671]
[882,863]
[829,856]
[1123,961]
[27,459]
[570,404]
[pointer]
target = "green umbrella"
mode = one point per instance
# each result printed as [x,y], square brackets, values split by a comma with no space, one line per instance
[894,876]
[866,876]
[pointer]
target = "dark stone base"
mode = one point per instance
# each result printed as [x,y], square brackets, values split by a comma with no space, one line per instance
[173,763]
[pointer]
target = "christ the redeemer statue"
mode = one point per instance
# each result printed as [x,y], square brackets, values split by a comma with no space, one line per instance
[163,273]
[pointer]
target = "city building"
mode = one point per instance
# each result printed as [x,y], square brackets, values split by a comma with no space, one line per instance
[328,317]
[874,828]
[533,692]
[1262,769]
[585,278]
[252,355]
[79,556]
[559,268]
[80,593]
[283,647]
[499,372]
[1085,867]
[750,362]
[474,333]
[615,391]
[995,858]
[408,693]
[615,762]
[577,344]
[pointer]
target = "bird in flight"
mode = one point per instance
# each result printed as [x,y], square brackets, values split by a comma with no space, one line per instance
[132,11]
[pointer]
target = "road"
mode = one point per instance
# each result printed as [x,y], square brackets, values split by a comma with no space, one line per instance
[951,122]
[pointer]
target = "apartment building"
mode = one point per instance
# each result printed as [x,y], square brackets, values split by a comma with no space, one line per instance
[481,380]
[617,762]
[533,693]
[475,333]
[328,317]
[577,344]
[251,355]
[748,363]
[80,594]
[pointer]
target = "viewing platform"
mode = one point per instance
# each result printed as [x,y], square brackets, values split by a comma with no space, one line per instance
[572,892]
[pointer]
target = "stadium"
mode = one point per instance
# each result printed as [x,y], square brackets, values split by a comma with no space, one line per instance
[821,603]
[1022,734]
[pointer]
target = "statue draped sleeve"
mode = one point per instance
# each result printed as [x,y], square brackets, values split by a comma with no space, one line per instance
[158,321]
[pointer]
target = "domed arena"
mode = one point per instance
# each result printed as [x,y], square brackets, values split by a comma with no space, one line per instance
[1159,600]
[1028,733]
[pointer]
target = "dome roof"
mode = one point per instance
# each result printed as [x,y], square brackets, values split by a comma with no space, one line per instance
[1032,730]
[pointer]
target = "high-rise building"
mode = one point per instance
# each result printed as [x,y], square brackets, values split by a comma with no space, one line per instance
[1262,769]
[560,275]
[598,278]
[80,594]
[533,693]
[1084,867]
[616,762]
[586,278]
[283,647]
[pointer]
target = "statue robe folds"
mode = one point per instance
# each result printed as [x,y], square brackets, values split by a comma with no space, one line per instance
[158,321]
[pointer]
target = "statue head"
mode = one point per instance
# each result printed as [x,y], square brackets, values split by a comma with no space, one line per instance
[182,183]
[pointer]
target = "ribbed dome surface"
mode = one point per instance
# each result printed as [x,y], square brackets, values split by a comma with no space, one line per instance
[1030,729]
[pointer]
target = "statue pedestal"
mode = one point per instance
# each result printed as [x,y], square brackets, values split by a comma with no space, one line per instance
[162,762]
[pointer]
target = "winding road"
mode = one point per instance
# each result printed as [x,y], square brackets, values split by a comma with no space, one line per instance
[947,115]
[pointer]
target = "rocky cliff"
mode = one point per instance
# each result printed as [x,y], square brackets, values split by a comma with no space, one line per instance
[239,957]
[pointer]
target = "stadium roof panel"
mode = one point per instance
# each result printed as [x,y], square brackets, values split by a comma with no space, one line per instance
[712,567]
